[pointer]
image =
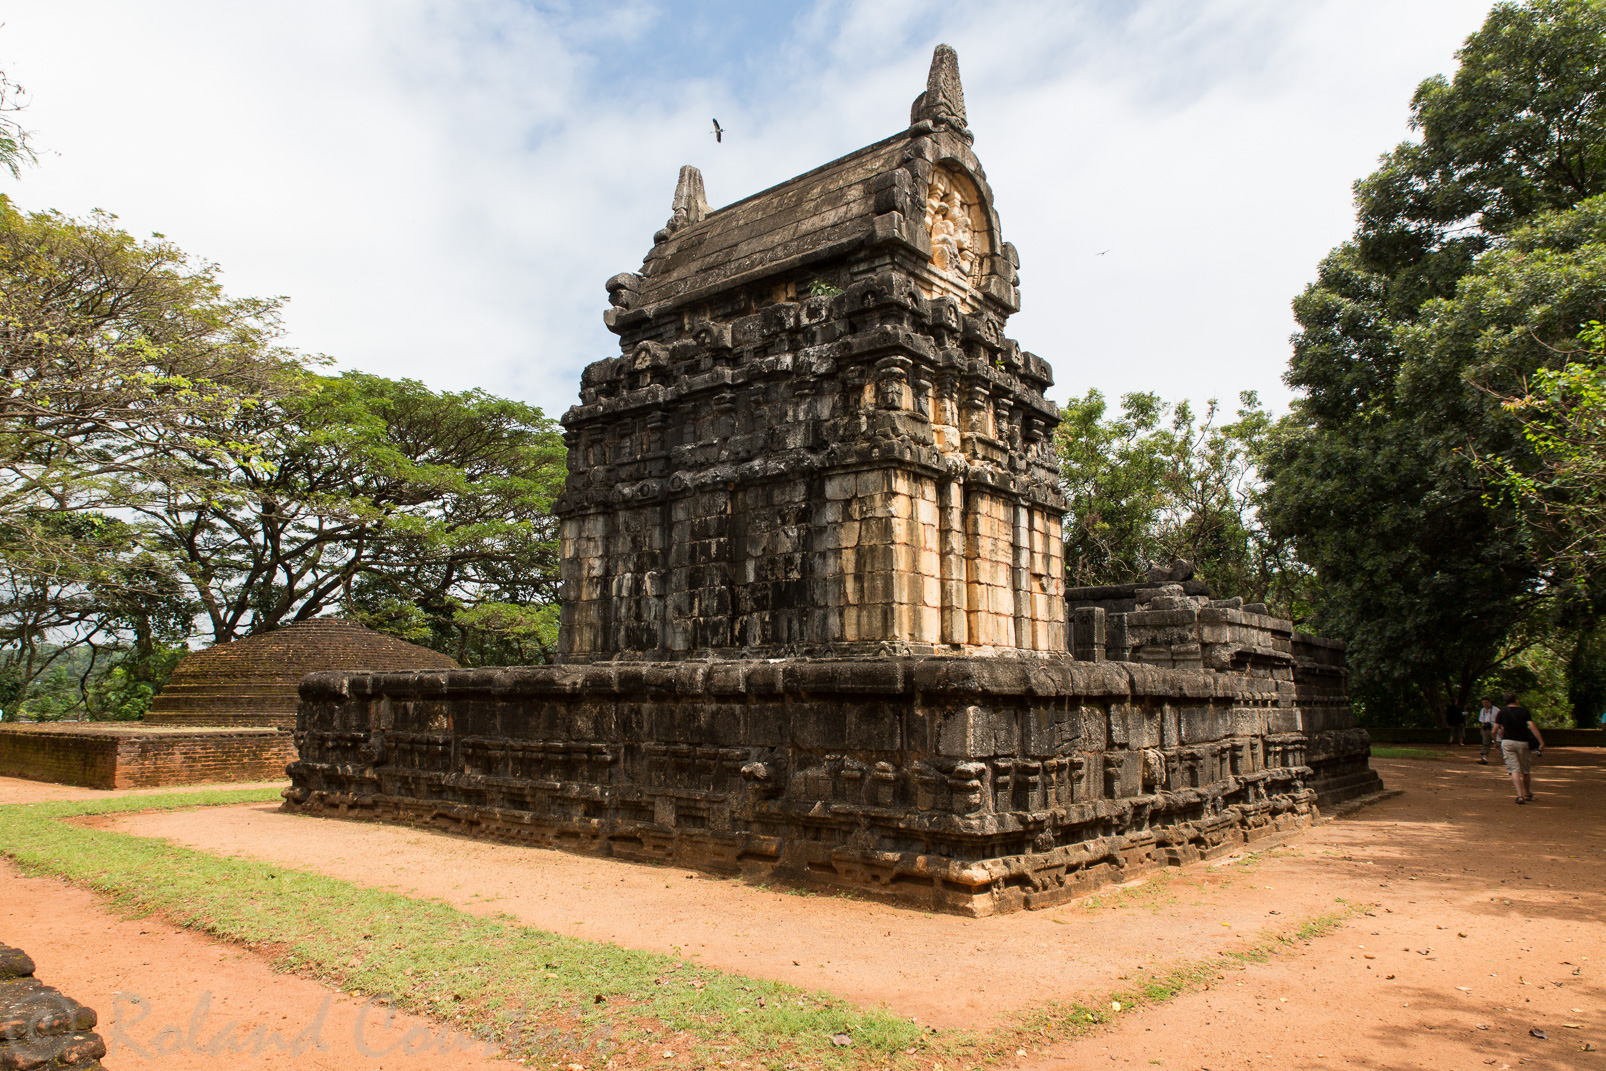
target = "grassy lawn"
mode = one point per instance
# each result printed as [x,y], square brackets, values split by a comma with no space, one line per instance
[1387,751]
[546,997]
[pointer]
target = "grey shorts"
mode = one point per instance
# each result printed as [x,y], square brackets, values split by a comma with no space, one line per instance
[1518,755]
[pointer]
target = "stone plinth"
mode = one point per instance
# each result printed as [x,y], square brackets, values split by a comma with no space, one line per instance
[1177,624]
[962,784]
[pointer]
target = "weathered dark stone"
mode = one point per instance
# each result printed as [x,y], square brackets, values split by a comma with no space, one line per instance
[814,623]
[40,1029]
[967,784]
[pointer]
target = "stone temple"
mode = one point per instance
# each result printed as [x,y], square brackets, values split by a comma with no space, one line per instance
[814,619]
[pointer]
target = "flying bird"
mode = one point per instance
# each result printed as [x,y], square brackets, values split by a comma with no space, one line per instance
[719,131]
[1101,254]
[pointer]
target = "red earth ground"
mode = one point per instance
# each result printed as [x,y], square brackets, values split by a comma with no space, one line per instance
[1484,921]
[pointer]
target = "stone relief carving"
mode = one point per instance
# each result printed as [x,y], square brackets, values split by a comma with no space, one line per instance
[957,223]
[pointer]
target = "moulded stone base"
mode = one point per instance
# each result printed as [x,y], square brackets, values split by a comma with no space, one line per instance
[967,785]
[991,886]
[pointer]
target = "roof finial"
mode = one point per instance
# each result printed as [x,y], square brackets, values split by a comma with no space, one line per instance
[943,102]
[690,204]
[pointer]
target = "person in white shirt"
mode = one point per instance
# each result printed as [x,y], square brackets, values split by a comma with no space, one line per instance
[1486,715]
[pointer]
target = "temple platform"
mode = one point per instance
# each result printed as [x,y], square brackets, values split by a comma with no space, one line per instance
[972,785]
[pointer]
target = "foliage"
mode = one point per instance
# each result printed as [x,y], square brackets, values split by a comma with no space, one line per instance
[1371,476]
[163,459]
[1586,678]
[118,356]
[1156,483]
[109,600]
[15,147]
[1538,674]
[1562,415]
[360,490]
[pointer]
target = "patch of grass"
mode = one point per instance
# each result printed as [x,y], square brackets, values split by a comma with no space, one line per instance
[1383,751]
[1154,893]
[1055,1020]
[482,975]
[545,996]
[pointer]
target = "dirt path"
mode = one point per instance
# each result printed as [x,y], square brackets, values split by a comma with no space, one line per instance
[174,1000]
[1491,922]
[1451,856]
[941,969]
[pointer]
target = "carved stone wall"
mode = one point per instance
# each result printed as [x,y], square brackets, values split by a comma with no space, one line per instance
[975,785]
[817,440]
[1174,622]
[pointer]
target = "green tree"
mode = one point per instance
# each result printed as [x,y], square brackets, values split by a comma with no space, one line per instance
[109,601]
[117,357]
[1156,483]
[405,505]
[15,141]
[164,460]
[1371,476]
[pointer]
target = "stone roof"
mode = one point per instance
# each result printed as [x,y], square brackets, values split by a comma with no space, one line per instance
[253,681]
[811,217]
[869,198]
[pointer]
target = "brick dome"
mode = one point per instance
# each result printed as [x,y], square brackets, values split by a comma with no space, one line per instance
[253,681]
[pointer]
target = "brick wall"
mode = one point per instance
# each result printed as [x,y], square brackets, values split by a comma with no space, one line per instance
[66,758]
[119,757]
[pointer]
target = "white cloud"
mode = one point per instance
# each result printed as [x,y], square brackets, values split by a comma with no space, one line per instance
[442,188]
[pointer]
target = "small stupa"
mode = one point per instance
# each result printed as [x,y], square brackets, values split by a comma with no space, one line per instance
[252,681]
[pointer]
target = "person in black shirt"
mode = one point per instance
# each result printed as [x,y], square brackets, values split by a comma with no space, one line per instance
[1520,740]
[1456,719]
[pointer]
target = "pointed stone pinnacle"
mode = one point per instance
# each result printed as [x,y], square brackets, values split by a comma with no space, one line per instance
[943,102]
[691,205]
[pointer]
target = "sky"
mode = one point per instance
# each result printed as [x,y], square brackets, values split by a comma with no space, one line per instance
[442,188]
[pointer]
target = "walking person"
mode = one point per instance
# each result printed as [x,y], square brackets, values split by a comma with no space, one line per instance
[1456,719]
[1486,715]
[1520,741]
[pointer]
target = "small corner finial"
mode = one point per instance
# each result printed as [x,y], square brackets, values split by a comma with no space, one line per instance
[943,102]
[690,204]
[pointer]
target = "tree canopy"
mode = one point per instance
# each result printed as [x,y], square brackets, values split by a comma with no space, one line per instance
[1442,289]
[1156,482]
[169,471]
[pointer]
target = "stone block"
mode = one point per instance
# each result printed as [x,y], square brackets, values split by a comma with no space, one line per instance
[1203,724]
